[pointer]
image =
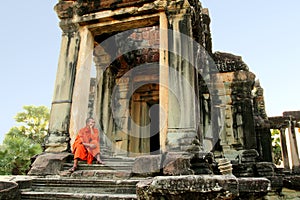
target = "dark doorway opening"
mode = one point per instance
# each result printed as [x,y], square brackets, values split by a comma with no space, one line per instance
[154,129]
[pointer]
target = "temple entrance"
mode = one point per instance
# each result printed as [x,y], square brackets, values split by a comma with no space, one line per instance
[127,90]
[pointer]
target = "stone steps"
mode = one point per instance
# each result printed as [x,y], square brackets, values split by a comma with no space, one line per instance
[71,196]
[68,188]
[98,174]
[105,166]
[111,180]
[114,163]
[84,185]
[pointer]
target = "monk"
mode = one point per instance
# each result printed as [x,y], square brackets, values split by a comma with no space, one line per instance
[86,145]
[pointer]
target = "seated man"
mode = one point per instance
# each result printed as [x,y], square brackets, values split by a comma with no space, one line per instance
[86,145]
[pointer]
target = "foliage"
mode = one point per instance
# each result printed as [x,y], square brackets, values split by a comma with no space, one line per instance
[34,122]
[276,147]
[16,153]
[24,141]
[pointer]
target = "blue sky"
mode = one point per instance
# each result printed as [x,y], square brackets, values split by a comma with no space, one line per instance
[265,33]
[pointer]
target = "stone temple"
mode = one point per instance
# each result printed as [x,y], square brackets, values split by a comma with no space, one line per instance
[177,119]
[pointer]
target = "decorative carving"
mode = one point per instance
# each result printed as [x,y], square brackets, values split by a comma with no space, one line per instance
[225,166]
[227,62]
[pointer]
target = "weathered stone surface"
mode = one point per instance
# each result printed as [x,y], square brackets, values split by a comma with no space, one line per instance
[177,164]
[85,6]
[292,182]
[147,165]
[48,163]
[202,187]
[225,167]
[248,156]
[9,190]
[265,169]
[227,62]
[244,170]
[188,187]
[253,188]
[254,185]
[23,181]
[65,9]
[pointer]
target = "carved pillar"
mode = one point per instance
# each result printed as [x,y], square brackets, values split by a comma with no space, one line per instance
[181,109]
[58,136]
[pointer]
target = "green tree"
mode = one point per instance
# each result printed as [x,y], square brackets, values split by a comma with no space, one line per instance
[276,146]
[33,123]
[16,154]
[24,141]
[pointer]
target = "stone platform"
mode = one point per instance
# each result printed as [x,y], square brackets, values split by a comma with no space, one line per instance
[115,180]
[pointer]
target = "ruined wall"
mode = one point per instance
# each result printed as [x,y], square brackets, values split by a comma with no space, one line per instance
[238,82]
[246,124]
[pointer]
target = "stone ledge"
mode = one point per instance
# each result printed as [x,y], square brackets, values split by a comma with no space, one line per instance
[201,187]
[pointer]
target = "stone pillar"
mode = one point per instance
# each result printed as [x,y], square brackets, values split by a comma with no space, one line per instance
[181,109]
[58,134]
[284,150]
[163,80]
[104,82]
[293,146]
[81,89]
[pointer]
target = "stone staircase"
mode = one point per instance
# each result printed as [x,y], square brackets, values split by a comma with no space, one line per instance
[111,180]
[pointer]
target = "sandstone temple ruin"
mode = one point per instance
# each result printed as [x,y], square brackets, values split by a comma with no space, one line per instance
[192,119]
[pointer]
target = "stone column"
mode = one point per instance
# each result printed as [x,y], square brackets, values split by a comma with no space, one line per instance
[58,134]
[163,80]
[293,146]
[103,81]
[80,98]
[181,109]
[284,150]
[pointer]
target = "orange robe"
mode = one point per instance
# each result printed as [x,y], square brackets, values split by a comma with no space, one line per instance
[86,136]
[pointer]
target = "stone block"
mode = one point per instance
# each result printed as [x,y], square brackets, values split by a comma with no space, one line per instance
[177,164]
[188,187]
[9,190]
[149,165]
[292,182]
[48,163]
[254,185]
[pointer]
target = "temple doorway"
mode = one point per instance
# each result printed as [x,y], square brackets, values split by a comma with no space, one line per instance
[144,137]
[154,128]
